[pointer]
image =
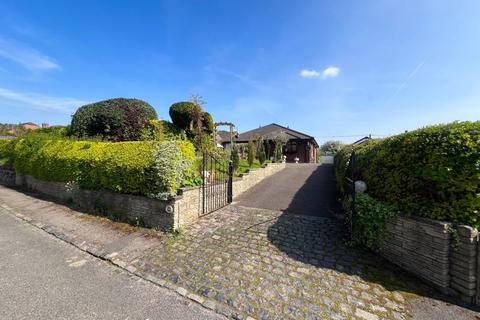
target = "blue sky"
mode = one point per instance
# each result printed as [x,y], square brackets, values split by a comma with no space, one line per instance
[328,68]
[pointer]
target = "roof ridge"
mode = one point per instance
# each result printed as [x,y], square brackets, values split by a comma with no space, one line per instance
[296,131]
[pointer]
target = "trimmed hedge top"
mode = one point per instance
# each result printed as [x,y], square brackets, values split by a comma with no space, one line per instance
[117,119]
[432,172]
[123,167]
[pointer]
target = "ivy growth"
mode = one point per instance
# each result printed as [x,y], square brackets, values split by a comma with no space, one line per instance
[370,218]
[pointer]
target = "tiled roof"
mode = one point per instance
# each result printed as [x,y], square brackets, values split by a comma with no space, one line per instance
[269,132]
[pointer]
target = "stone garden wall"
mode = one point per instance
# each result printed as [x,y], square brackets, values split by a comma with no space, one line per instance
[136,210]
[444,255]
[180,211]
[7,175]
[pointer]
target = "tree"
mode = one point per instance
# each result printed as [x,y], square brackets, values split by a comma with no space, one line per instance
[235,158]
[331,147]
[198,114]
[262,156]
[280,140]
[252,152]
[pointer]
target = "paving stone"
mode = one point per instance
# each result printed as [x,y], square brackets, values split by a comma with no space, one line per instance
[267,265]
[365,314]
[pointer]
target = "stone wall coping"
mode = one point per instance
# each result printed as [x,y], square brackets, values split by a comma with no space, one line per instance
[467,231]
[180,191]
[437,223]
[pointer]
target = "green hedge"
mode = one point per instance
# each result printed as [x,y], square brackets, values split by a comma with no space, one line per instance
[124,167]
[432,172]
[6,151]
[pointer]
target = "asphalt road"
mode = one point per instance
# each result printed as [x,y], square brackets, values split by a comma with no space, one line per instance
[42,277]
[307,189]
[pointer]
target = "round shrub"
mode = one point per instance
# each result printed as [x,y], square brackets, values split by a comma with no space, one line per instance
[185,115]
[117,119]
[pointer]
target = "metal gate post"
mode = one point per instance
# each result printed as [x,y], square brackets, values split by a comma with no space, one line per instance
[204,168]
[230,182]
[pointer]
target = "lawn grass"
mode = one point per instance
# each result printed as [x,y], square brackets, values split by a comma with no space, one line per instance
[244,167]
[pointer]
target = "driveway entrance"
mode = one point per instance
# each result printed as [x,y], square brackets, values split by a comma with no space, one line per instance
[306,189]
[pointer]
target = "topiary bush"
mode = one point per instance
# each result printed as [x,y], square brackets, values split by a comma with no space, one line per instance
[117,119]
[123,167]
[432,172]
[186,115]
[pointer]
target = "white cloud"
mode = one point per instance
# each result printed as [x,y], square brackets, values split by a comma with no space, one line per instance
[60,104]
[305,73]
[27,57]
[330,72]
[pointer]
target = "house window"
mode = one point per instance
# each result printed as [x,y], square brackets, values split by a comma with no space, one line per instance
[291,147]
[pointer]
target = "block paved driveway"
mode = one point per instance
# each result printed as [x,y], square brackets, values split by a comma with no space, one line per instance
[252,259]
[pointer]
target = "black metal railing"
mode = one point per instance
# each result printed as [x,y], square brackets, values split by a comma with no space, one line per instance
[217,176]
[349,190]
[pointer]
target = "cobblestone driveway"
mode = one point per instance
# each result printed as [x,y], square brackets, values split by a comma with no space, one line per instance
[268,265]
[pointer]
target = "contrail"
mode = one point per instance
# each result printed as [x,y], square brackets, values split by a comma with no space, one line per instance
[410,76]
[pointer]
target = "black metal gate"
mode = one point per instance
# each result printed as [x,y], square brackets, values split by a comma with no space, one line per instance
[349,189]
[217,176]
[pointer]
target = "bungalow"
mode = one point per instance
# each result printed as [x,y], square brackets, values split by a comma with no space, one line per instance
[299,145]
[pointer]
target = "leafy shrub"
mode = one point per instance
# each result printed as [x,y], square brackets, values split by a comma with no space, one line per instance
[172,132]
[432,172]
[208,124]
[6,150]
[173,160]
[153,131]
[52,131]
[117,119]
[186,115]
[124,167]
[204,142]
[369,223]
